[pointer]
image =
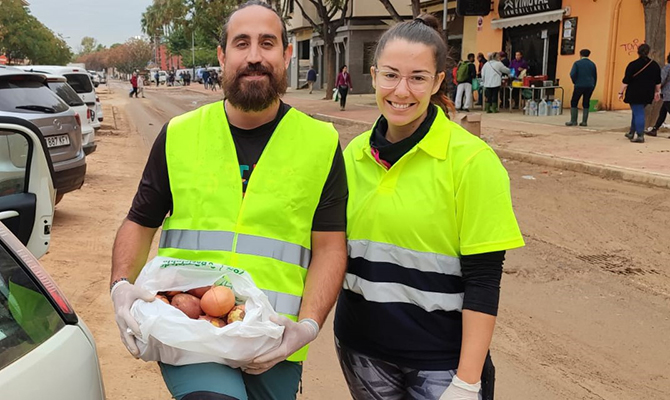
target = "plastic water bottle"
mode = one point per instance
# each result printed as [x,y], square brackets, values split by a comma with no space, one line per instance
[543,109]
[532,108]
[556,107]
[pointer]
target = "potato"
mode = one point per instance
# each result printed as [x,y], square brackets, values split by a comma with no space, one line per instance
[199,292]
[236,314]
[188,304]
[218,322]
[162,298]
[218,301]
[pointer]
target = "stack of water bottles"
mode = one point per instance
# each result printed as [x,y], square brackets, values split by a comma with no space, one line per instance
[543,108]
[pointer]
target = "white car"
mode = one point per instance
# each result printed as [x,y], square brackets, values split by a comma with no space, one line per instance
[46,350]
[94,78]
[80,81]
[58,84]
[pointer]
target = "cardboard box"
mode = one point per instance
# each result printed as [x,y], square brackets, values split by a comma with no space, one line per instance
[472,122]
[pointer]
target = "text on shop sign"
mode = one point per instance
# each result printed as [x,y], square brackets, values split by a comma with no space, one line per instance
[514,8]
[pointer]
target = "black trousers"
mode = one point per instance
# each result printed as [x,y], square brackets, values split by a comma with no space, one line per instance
[491,94]
[662,114]
[585,93]
[344,90]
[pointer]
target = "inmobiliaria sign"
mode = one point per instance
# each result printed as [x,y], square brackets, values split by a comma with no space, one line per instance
[514,8]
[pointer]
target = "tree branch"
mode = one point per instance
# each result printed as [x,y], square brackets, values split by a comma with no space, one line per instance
[304,14]
[392,11]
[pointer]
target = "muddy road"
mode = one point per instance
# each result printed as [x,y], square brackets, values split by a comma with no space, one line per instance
[585,306]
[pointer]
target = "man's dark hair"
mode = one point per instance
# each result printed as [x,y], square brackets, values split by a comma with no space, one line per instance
[584,52]
[520,52]
[471,56]
[224,31]
[643,50]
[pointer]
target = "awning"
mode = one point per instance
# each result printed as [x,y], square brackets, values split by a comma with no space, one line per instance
[539,18]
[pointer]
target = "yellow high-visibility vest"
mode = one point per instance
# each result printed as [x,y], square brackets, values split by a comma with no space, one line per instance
[268,231]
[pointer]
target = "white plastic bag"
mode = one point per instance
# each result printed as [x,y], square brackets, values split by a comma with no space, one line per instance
[168,335]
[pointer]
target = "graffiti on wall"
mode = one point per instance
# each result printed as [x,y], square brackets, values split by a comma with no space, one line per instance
[631,47]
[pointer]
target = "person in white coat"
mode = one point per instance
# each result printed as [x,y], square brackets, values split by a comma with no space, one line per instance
[492,73]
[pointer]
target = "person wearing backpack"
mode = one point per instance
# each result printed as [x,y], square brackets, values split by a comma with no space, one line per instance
[465,73]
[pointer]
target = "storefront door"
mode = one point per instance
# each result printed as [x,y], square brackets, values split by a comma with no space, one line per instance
[529,40]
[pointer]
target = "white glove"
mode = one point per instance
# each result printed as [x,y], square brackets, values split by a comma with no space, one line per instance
[124,295]
[459,390]
[296,336]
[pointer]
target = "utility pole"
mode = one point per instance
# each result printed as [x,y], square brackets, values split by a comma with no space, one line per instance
[445,15]
[193,53]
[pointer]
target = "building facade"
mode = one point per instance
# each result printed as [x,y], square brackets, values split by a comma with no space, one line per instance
[551,33]
[355,41]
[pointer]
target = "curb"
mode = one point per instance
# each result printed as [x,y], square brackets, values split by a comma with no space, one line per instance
[600,170]
[568,164]
[340,120]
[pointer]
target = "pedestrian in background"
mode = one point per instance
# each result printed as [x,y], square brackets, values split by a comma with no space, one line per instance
[429,219]
[665,94]
[296,205]
[140,85]
[492,74]
[504,59]
[641,86]
[465,74]
[157,76]
[311,78]
[205,78]
[214,80]
[133,83]
[343,84]
[518,68]
[481,60]
[584,75]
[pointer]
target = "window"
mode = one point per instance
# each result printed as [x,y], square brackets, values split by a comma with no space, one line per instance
[14,150]
[368,56]
[81,83]
[66,93]
[26,95]
[27,318]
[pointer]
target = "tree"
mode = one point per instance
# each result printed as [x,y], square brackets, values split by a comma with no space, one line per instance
[416,8]
[88,45]
[327,28]
[22,36]
[392,11]
[654,36]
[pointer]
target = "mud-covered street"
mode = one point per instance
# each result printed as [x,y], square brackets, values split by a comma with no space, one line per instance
[584,306]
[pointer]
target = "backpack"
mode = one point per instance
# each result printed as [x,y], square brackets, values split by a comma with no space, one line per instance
[463,72]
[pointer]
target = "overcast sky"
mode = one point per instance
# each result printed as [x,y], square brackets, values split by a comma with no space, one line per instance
[109,22]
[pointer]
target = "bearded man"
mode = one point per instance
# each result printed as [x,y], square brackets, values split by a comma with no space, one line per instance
[252,183]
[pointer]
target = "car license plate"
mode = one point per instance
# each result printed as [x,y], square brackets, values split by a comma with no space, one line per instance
[57,141]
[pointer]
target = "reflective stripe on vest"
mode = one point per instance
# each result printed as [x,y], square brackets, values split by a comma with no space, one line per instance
[246,244]
[284,303]
[387,292]
[422,261]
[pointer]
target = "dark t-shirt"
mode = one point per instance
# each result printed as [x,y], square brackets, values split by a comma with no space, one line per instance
[642,76]
[153,200]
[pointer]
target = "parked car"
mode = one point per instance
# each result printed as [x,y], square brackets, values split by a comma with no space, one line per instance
[80,81]
[103,77]
[94,78]
[46,350]
[58,84]
[98,110]
[27,95]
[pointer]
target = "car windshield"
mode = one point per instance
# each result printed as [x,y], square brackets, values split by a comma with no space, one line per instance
[27,317]
[65,92]
[22,94]
[81,83]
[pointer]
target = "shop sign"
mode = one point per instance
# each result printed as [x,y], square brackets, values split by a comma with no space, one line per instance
[514,8]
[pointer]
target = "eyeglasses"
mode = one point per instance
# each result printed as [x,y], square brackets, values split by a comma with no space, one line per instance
[418,83]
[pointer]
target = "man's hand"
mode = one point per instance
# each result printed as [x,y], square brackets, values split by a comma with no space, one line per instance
[124,295]
[657,96]
[459,390]
[296,336]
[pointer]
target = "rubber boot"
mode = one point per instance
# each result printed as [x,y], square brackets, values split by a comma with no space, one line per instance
[494,108]
[488,108]
[630,135]
[639,138]
[573,117]
[585,117]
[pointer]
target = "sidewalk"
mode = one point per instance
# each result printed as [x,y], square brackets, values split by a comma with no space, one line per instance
[600,149]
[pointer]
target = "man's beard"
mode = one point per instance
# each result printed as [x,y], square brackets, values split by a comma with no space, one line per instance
[254,95]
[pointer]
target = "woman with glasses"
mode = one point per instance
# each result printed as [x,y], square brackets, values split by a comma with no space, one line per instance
[429,218]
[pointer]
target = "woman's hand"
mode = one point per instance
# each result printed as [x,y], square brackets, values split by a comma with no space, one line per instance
[657,96]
